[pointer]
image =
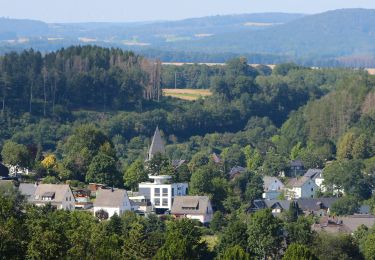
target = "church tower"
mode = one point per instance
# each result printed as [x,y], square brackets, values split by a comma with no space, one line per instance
[157,145]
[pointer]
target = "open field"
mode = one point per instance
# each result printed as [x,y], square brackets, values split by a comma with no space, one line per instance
[186,93]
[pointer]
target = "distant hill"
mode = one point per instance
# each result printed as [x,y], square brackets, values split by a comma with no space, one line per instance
[14,28]
[334,38]
[334,33]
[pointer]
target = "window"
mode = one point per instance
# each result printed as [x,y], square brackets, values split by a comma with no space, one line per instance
[157,192]
[172,192]
[165,192]
[312,189]
[157,202]
[165,202]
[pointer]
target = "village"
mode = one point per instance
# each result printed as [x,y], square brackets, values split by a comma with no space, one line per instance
[161,196]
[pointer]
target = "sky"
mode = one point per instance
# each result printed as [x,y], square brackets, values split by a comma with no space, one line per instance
[151,10]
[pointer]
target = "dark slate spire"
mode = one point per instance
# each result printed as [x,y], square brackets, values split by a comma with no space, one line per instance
[157,145]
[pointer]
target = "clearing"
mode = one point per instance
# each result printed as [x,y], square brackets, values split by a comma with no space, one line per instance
[186,93]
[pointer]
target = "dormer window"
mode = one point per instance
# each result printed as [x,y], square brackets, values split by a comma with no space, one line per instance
[48,196]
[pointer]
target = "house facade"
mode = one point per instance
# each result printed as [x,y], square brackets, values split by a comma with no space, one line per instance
[112,201]
[58,195]
[302,187]
[272,187]
[162,191]
[193,207]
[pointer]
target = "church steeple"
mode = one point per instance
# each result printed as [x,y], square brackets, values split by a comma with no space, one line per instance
[157,145]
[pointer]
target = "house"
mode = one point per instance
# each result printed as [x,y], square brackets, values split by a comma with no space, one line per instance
[348,224]
[272,187]
[28,190]
[302,187]
[157,145]
[215,158]
[318,207]
[296,168]
[58,195]
[112,201]
[193,207]
[16,170]
[82,198]
[317,176]
[236,171]
[140,205]
[94,187]
[161,192]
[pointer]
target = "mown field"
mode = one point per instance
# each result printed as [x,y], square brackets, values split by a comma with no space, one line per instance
[186,94]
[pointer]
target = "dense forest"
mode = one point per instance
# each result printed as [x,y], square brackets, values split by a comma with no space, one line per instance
[86,114]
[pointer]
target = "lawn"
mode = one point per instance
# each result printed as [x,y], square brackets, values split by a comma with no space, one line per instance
[186,94]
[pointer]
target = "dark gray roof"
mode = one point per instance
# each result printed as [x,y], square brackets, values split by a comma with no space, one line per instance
[311,204]
[313,173]
[305,204]
[282,204]
[296,163]
[235,170]
[190,205]
[157,145]
[110,198]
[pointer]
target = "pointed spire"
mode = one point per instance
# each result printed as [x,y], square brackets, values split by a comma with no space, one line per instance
[157,145]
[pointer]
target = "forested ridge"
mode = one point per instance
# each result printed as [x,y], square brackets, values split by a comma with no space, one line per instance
[257,118]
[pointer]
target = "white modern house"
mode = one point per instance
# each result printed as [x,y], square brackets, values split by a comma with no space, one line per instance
[112,201]
[193,207]
[58,195]
[162,191]
[272,187]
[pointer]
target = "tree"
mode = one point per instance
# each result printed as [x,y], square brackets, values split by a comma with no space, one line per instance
[103,169]
[345,146]
[298,252]
[233,235]
[234,253]
[369,246]
[183,241]
[159,165]
[332,246]
[293,212]
[135,243]
[16,154]
[361,149]
[217,222]
[347,205]
[264,234]
[348,175]
[299,231]
[135,174]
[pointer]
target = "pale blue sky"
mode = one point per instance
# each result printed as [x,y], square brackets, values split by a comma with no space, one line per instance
[145,10]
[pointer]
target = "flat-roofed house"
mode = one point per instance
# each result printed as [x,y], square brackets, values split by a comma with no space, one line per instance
[193,207]
[58,195]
